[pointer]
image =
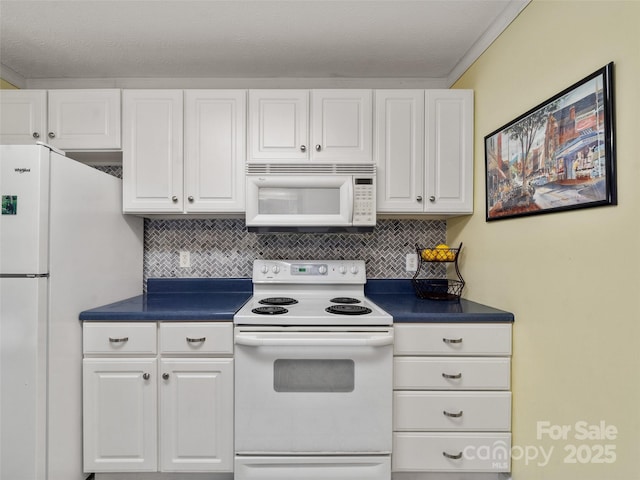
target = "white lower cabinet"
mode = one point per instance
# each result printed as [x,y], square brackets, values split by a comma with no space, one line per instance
[168,407]
[452,400]
[119,414]
[196,405]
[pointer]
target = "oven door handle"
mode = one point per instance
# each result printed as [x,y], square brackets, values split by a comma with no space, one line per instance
[254,341]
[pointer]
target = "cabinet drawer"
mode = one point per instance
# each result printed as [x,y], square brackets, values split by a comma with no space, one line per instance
[452,339]
[449,411]
[119,338]
[451,452]
[451,373]
[196,338]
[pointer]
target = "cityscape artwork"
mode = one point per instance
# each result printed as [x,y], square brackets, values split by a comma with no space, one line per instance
[558,156]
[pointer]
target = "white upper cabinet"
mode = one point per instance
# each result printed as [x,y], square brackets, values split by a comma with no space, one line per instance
[279,125]
[206,174]
[214,150]
[424,151]
[67,119]
[399,150]
[341,126]
[23,116]
[84,119]
[152,151]
[449,151]
[320,125]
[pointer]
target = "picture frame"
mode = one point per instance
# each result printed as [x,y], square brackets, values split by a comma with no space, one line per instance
[558,156]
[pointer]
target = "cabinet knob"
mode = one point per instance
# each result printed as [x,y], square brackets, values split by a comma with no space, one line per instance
[146,376]
[303,148]
[419,198]
[432,198]
[165,376]
[52,135]
[190,198]
[174,199]
[318,147]
[36,135]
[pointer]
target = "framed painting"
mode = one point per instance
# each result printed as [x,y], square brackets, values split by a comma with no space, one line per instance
[557,156]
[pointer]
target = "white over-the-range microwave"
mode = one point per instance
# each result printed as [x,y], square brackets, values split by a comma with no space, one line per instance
[310,197]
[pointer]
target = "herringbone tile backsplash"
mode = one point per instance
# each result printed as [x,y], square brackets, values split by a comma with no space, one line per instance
[223,247]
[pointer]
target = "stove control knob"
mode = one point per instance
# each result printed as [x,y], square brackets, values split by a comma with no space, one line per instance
[275,269]
[322,269]
[354,269]
[342,269]
[264,269]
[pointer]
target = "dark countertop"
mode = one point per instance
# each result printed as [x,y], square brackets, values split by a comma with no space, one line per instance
[186,299]
[398,298]
[216,299]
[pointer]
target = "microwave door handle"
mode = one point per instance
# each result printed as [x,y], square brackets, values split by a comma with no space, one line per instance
[351,202]
[255,341]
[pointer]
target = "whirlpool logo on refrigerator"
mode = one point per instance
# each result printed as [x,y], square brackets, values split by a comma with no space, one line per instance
[22,170]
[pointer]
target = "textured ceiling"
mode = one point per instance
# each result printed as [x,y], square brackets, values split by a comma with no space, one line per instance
[243,38]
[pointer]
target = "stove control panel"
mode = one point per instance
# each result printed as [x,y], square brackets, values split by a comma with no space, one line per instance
[309,271]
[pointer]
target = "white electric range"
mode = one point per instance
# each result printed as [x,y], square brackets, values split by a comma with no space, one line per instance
[313,375]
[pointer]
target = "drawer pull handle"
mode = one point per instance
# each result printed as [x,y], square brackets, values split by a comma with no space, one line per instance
[196,340]
[454,377]
[118,340]
[454,415]
[452,340]
[457,456]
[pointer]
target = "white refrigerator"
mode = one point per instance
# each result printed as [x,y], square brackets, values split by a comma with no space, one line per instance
[65,246]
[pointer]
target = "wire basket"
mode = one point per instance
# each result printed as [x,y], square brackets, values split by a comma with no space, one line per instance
[438,254]
[438,288]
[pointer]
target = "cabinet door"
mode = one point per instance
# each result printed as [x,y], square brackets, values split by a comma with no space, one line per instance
[23,116]
[196,415]
[449,151]
[84,119]
[120,415]
[341,126]
[152,151]
[279,125]
[399,150]
[214,125]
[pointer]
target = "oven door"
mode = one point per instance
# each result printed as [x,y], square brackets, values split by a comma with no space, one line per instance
[299,201]
[313,392]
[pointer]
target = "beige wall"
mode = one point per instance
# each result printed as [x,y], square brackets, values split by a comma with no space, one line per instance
[5,84]
[571,278]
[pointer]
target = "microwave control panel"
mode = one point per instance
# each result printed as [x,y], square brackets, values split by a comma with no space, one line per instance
[364,201]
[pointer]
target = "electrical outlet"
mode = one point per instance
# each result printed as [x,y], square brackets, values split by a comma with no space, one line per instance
[412,262]
[185,259]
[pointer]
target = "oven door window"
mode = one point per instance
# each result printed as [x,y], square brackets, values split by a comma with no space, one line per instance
[310,375]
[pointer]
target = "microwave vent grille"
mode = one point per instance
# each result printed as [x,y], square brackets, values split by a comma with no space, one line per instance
[311,169]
